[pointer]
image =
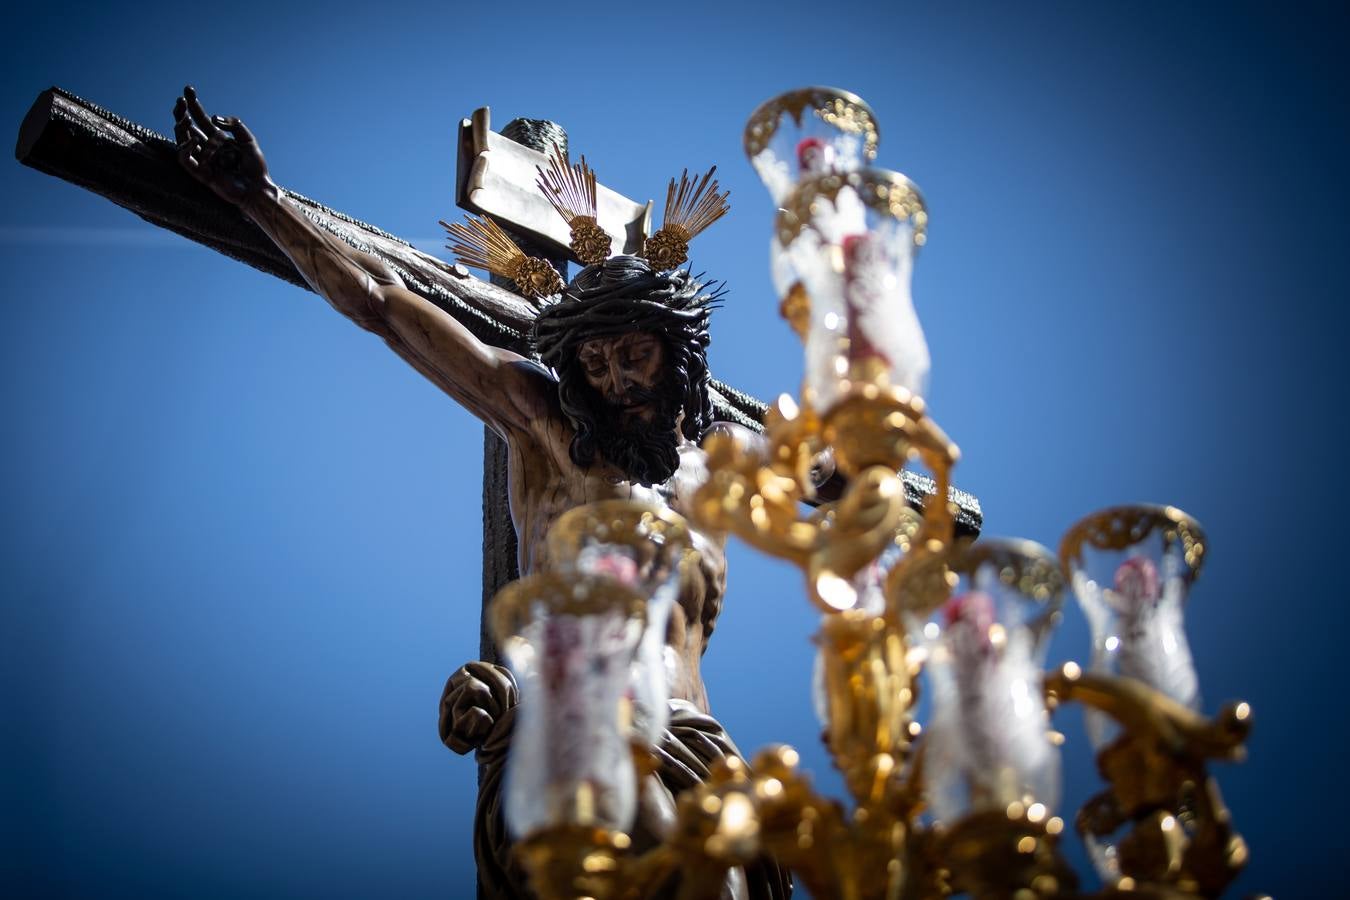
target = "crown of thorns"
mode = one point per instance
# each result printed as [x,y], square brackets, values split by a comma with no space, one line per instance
[692,204]
[619,294]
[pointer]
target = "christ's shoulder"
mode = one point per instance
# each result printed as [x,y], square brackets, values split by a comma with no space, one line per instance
[541,407]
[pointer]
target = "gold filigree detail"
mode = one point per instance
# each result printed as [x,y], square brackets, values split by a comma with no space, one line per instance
[839,109]
[884,192]
[691,206]
[627,522]
[1120,527]
[482,244]
[571,190]
[536,278]
[925,583]
[590,242]
[666,250]
[522,601]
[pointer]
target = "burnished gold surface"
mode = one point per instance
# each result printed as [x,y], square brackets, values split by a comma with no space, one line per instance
[885,193]
[865,522]
[876,424]
[882,426]
[842,110]
[869,686]
[1124,526]
[757,496]
[1179,840]
[569,862]
[1003,854]
[667,249]
[795,307]
[590,243]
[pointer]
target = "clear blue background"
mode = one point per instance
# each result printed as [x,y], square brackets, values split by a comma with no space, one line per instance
[241,539]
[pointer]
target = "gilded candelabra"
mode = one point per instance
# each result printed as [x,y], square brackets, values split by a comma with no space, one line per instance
[966,803]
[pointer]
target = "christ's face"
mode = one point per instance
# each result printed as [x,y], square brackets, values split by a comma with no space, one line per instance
[625,371]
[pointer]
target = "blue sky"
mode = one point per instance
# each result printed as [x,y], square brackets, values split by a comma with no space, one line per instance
[241,538]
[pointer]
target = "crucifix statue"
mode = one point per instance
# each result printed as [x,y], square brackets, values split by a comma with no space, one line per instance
[601,393]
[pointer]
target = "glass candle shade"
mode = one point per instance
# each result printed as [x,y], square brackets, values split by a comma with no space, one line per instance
[808,131]
[984,614]
[649,549]
[1131,568]
[570,640]
[803,133]
[851,239]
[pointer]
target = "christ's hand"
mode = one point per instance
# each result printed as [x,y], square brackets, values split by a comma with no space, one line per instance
[476,698]
[219,152]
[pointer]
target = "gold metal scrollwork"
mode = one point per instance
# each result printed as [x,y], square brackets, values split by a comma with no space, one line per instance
[560,594]
[1180,841]
[1120,527]
[884,192]
[757,496]
[840,109]
[927,581]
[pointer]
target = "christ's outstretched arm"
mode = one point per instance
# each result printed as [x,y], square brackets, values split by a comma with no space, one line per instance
[500,387]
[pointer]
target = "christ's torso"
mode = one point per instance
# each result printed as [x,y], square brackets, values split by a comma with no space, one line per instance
[545,483]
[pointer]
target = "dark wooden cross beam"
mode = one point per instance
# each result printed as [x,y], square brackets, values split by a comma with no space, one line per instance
[138,169]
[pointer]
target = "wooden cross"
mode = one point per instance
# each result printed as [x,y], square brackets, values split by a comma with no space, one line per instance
[138,169]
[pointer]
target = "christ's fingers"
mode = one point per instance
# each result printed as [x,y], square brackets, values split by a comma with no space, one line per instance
[235,127]
[185,133]
[199,113]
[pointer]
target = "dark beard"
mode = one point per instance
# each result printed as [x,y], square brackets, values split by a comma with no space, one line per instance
[648,452]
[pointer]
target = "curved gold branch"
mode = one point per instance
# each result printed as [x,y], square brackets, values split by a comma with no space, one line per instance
[1181,833]
[869,682]
[747,496]
[1150,714]
[864,524]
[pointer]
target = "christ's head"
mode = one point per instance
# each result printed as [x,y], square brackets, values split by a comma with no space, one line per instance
[629,345]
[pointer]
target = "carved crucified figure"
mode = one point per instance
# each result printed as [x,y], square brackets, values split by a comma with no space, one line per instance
[619,420]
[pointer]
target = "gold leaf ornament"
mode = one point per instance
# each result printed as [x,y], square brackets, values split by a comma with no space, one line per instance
[666,249]
[482,244]
[570,189]
[691,206]
[590,243]
[536,278]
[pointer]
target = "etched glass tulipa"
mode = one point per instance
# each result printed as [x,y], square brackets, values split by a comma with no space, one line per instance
[801,134]
[570,641]
[852,240]
[1131,568]
[808,131]
[648,549]
[985,622]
